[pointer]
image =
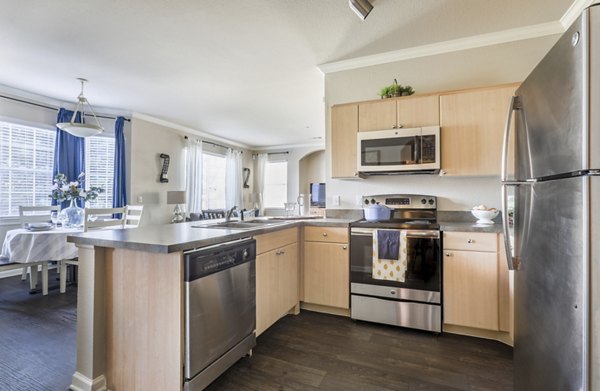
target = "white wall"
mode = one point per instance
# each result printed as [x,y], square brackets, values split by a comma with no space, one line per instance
[312,170]
[480,67]
[149,140]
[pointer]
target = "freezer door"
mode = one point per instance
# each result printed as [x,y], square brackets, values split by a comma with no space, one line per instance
[551,126]
[551,300]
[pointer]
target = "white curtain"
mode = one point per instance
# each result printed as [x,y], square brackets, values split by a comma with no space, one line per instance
[259,178]
[193,176]
[233,179]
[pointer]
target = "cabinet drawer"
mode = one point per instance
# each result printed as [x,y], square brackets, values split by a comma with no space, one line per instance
[326,234]
[273,240]
[471,241]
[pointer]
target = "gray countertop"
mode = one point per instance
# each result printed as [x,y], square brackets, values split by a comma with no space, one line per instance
[470,226]
[169,238]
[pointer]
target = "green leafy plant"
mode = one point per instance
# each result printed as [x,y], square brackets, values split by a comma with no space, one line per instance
[395,89]
[384,92]
[63,189]
[407,90]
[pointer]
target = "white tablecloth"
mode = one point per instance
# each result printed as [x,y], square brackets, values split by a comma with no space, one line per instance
[21,245]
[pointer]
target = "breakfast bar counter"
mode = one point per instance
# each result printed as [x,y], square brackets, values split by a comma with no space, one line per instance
[130,310]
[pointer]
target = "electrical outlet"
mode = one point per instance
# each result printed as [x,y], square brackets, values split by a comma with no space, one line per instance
[335,200]
[140,200]
[359,201]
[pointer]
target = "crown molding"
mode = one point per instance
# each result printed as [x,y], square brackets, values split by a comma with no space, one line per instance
[573,12]
[185,129]
[316,145]
[476,41]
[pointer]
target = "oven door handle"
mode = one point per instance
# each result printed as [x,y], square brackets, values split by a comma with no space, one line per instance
[409,234]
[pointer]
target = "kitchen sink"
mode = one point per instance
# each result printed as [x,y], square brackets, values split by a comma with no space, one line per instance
[249,224]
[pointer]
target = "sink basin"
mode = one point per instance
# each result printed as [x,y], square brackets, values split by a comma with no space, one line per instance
[239,224]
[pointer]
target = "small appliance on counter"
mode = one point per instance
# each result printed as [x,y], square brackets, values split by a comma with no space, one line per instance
[409,295]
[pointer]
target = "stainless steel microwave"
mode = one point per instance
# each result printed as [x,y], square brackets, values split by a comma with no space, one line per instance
[399,151]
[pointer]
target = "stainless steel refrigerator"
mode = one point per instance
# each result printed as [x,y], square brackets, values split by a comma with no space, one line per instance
[556,242]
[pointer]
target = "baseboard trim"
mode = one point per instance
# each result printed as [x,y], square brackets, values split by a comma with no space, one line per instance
[81,382]
[499,336]
[325,309]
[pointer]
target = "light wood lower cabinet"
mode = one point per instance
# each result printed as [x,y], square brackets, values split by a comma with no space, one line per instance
[326,274]
[326,267]
[477,290]
[277,276]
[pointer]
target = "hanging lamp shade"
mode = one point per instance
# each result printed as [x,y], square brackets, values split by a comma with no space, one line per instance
[81,129]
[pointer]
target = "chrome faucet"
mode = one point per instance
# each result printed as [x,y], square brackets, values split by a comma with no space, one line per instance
[229,213]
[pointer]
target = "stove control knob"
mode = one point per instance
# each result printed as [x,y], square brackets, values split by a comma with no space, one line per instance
[366,201]
[423,201]
[431,201]
[373,202]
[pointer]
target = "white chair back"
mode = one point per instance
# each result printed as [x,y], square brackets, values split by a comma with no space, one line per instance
[103,218]
[134,216]
[36,214]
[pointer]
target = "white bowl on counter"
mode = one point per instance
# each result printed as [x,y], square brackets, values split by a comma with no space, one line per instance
[485,216]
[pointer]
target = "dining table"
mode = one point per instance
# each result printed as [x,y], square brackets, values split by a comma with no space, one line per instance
[34,246]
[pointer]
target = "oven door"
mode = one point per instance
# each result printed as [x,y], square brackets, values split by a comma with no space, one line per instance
[423,281]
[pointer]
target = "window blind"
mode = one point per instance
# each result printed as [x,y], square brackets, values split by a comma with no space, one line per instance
[99,168]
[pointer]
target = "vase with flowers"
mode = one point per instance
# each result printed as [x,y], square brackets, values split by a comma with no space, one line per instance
[73,191]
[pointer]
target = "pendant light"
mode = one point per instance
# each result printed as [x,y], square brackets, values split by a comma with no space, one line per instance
[81,129]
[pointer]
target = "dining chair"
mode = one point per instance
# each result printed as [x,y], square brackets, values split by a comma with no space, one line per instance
[134,216]
[36,214]
[94,218]
[211,214]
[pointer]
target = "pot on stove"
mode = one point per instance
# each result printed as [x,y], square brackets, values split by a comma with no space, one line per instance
[376,212]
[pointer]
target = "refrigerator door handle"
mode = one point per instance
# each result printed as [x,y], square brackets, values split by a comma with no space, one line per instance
[512,262]
[514,105]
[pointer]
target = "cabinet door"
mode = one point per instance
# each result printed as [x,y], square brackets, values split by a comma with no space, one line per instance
[266,286]
[287,280]
[471,289]
[472,124]
[326,274]
[276,285]
[344,126]
[418,111]
[377,115]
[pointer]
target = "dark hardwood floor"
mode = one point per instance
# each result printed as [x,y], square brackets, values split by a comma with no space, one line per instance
[309,351]
[313,351]
[37,336]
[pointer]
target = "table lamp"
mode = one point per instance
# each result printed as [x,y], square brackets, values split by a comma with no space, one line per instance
[176,198]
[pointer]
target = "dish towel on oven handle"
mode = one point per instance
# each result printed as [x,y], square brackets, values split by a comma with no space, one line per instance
[389,255]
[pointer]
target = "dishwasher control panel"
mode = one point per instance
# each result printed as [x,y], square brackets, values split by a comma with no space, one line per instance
[203,262]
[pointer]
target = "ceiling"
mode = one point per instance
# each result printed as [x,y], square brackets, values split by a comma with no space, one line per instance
[244,70]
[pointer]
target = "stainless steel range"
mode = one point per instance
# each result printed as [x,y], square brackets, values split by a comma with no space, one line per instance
[413,301]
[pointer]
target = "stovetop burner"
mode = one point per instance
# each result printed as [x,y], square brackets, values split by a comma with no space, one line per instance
[409,211]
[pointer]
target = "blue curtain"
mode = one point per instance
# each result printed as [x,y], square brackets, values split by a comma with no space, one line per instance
[119,177]
[69,152]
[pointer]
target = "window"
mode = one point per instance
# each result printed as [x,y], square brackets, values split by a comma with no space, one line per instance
[26,158]
[26,161]
[99,168]
[275,192]
[213,181]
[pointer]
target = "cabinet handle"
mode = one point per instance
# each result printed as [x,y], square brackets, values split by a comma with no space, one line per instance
[400,126]
[448,254]
[470,241]
[344,247]
[393,126]
[282,252]
[324,233]
[443,172]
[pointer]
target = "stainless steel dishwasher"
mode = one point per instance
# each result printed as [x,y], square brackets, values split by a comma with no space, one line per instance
[220,309]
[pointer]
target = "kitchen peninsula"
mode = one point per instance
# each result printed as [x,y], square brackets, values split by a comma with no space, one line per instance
[130,313]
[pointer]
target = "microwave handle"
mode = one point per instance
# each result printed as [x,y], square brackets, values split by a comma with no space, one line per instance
[417,151]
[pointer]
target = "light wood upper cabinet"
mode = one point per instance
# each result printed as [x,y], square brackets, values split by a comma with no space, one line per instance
[472,124]
[344,126]
[405,112]
[377,115]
